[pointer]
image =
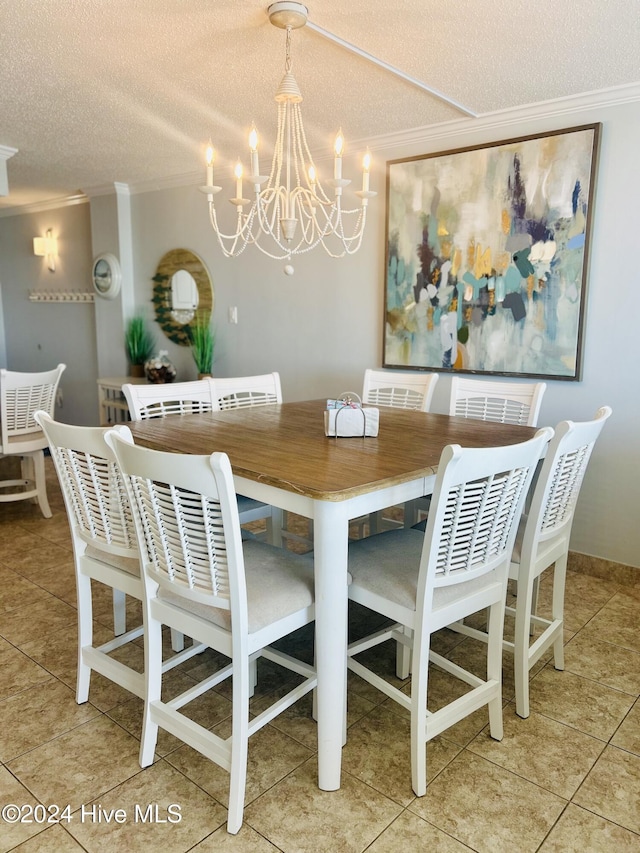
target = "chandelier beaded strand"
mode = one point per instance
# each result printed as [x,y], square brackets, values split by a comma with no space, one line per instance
[290,212]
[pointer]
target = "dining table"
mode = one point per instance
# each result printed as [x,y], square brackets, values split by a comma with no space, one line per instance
[280,454]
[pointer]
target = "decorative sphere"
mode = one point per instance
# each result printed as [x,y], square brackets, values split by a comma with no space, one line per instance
[288,270]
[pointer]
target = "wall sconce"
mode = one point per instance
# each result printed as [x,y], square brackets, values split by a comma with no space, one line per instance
[46,247]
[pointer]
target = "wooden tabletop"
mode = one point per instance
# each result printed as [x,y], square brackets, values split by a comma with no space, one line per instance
[285,445]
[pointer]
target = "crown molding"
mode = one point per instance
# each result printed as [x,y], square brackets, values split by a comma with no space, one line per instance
[498,120]
[40,206]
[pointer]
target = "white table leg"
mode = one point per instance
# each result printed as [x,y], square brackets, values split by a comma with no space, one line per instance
[330,561]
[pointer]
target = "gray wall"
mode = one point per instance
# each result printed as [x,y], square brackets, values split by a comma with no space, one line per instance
[40,335]
[321,327]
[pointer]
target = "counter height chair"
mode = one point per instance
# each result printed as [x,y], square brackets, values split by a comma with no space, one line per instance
[104,547]
[21,395]
[244,392]
[201,578]
[396,390]
[425,581]
[399,390]
[504,402]
[184,398]
[542,543]
[247,392]
[174,398]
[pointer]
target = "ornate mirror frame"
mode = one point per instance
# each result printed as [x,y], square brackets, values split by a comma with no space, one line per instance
[171,263]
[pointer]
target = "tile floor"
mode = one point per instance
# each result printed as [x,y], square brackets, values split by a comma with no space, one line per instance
[566,779]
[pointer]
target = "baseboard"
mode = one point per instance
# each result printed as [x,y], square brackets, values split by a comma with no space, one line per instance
[600,568]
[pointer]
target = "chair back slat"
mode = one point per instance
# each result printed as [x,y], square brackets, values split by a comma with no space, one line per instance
[184,538]
[503,402]
[92,488]
[398,390]
[476,507]
[244,392]
[188,528]
[556,495]
[23,394]
[176,398]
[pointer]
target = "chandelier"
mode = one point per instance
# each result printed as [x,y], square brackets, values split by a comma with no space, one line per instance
[290,212]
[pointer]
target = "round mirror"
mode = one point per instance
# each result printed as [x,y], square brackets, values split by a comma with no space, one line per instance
[182,289]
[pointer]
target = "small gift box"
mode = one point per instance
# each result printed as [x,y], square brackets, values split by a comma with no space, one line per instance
[346,418]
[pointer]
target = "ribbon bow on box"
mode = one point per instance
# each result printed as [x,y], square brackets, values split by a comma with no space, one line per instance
[346,418]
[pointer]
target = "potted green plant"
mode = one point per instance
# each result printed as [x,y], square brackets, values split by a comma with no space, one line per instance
[139,343]
[202,344]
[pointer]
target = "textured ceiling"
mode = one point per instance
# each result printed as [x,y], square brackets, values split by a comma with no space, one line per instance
[97,91]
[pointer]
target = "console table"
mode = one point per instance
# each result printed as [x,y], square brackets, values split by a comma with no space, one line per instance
[113,406]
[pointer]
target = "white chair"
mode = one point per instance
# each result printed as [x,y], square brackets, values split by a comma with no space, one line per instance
[399,390]
[175,398]
[459,566]
[242,392]
[504,402]
[542,542]
[184,398]
[104,547]
[245,392]
[22,394]
[200,578]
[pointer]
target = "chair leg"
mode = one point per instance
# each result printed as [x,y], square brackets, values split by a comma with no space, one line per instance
[41,483]
[524,603]
[495,630]
[177,640]
[85,636]
[119,612]
[153,689]
[403,657]
[419,687]
[557,608]
[239,745]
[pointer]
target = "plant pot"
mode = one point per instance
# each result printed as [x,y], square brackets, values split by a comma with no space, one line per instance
[204,376]
[136,370]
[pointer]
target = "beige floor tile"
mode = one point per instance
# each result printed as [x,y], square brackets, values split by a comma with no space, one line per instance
[161,810]
[59,580]
[410,833]
[12,792]
[52,840]
[207,710]
[296,815]
[580,831]
[19,672]
[584,597]
[543,751]
[44,617]
[488,808]
[579,702]
[37,715]
[246,841]
[272,755]
[15,590]
[628,735]
[617,622]
[378,752]
[587,654]
[79,765]
[612,789]
[38,556]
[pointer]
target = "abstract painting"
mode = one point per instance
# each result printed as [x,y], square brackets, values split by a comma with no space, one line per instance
[487,251]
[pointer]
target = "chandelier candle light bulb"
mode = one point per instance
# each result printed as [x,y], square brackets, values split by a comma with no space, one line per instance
[291,212]
[210,157]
